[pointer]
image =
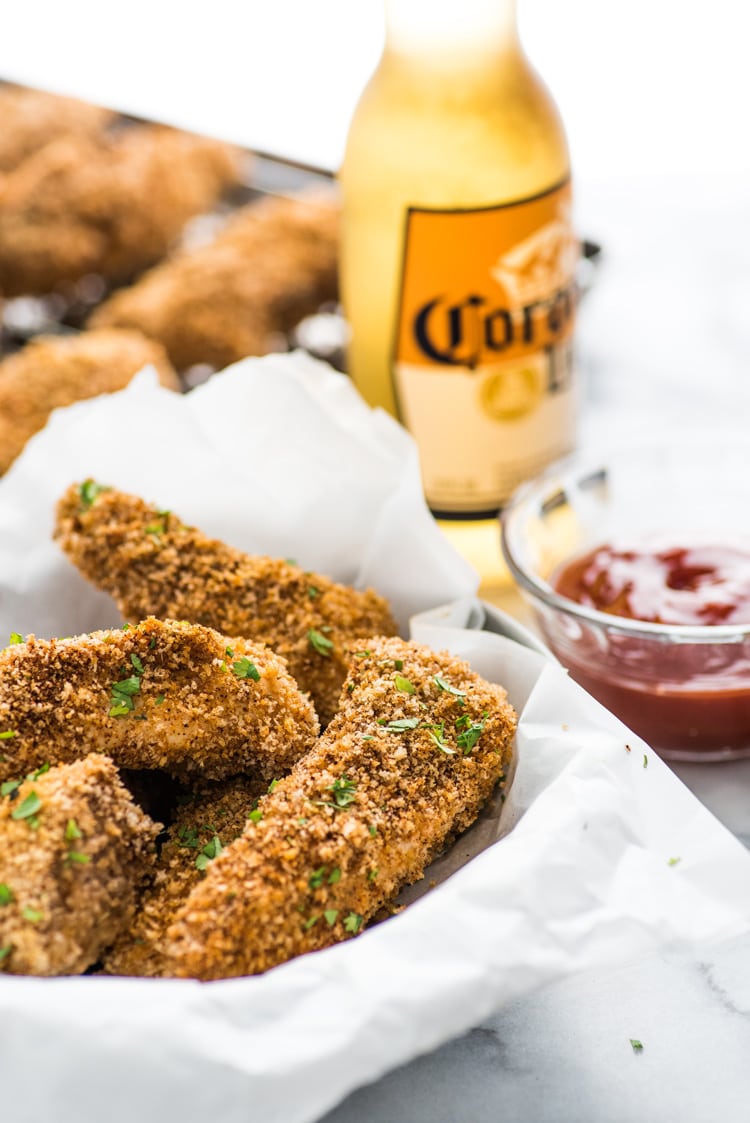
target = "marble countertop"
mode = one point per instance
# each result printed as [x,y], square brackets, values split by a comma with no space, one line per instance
[664,344]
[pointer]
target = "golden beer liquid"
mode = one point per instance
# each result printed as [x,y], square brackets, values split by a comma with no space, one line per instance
[453,117]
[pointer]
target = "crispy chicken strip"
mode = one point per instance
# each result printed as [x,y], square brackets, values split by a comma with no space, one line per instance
[415,752]
[111,206]
[273,264]
[32,118]
[74,849]
[162,694]
[55,371]
[213,817]
[150,563]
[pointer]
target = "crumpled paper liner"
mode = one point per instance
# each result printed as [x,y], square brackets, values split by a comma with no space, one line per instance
[599,854]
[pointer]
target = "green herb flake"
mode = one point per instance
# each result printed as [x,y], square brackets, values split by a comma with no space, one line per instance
[127,686]
[443,684]
[28,807]
[330,916]
[373,830]
[309,923]
[320,643]
[255,815]
[362,654]
[404,685]
[334,876]
[312,592]
[210,851]
[9,787]
[6,894]
[137,664]
[159,699]
[471,734]
[352,922]
[674,861]
[78,857]
[400,725]
[7,734]
[39,772]
[343,791]
[437,734]
[5,952]
[373,874]
[636,1045]
[244,668]
[32,915]
[398,664]
[645,761]
[315,880]
[88,491]
[273,786]
[72,831]
[188,837]
[15,637]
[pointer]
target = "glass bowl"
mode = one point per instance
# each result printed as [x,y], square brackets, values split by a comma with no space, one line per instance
[684,688]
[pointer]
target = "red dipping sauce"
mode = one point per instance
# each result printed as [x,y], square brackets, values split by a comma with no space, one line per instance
[687,696]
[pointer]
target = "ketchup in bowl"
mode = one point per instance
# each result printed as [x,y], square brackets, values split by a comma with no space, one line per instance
[685,687]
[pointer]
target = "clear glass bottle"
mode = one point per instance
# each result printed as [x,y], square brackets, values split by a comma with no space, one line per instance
[458,254]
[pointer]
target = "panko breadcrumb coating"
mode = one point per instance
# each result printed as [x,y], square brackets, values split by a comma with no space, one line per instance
[209,821]
[56,370]
[416,750]
[31,118]
[161,694]
[152,564]
[74,849]
[274,263]
[111,206]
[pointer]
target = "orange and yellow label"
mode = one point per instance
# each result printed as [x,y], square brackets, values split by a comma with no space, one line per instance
[482,357]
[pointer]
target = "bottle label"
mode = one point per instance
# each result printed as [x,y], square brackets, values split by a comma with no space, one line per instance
[483,362]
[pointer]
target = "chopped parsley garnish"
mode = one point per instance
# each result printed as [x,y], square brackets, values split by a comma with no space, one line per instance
[443,684]
[6,894]
[330,916]
[9,787]
[7,734]
[15,637]
[373,874]
[273,786]
[89,491]
[362,654]
[645,761]
[159,699]
[334,876]
[398,664]
[673,861]
[373,830]
[27,807]
[367,737]
[77,857]
[471,734]
[32,915]
[309,923]
[404,685]
[5,952]
[437,734]
[188,837]
[210,851]
[352,922]
[319,642]
[137,664]
[400,725]
[343,791]
[123,692]
[312,592]
[315,880]
[244,668]
[636,1045]
[255,815]
[72,831]
[39,772]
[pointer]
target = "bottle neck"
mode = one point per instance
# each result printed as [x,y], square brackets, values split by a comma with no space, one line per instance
[447,28]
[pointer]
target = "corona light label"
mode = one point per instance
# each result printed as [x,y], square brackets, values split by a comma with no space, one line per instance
[483,364]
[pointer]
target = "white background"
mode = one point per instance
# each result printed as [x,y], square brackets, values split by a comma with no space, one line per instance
[649,85]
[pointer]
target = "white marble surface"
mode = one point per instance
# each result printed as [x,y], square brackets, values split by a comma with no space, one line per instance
[665,345]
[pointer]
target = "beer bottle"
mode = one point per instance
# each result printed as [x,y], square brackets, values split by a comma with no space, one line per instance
[458,253]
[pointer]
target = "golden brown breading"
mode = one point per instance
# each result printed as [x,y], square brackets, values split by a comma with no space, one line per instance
[161,694]
[32,118]
[273,264]
[56,370]
[214,817]
[111,206]
[74,849]
[409,761]
[179,572]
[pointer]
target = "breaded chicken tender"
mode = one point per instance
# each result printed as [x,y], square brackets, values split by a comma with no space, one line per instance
[416,750]
[111,206]
[212,818]
[31,118]
[273,264]
[74,850]
[56,370]
[161,694]
[152,564]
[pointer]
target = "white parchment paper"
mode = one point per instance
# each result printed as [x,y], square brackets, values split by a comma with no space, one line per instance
[598,855]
